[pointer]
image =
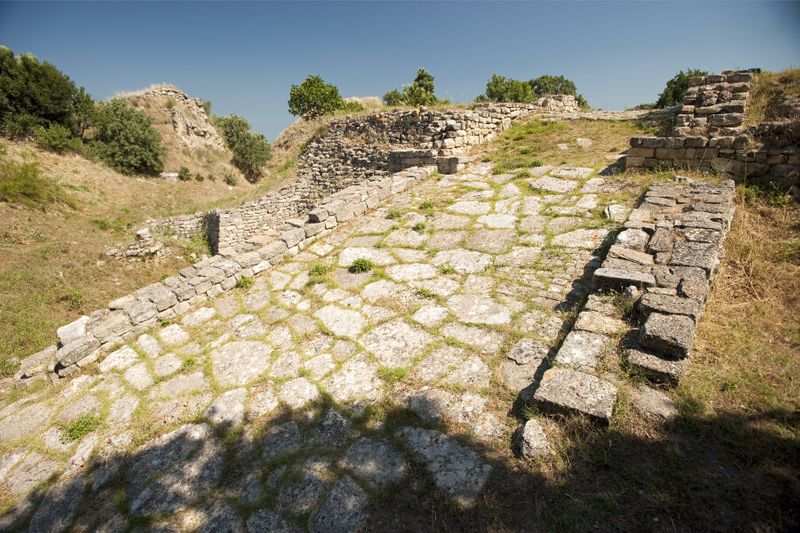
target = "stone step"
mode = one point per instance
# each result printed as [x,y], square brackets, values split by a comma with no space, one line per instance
[566,391]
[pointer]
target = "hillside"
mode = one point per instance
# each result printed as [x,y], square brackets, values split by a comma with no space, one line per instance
[187,133]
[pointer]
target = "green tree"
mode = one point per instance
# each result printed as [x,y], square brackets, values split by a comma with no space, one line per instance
[502,89]
[419,92]
[547,84]
[251,151]
[677,86]
[314,98]
[126,140]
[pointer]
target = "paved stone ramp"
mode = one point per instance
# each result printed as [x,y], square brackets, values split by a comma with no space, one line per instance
[290,405]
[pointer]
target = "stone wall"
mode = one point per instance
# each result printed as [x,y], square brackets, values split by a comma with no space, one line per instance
[663,262]
[710,135]
[83,341]
[361,149]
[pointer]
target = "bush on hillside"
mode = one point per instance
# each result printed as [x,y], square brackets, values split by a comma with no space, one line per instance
[419,92]
[34,93]
[314,98]
[56,138]
[125,139]
[251,151]
[676,87]
[502,89]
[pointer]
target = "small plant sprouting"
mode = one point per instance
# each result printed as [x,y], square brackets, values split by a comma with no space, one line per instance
[319,269]
[427,204]
[189,362]
[360,265]
[81,427]
[394,214]
[184,174]
[446,269]
[392,375]
[419,227]
[244,282]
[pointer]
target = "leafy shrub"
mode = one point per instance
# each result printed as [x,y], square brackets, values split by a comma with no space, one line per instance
[230,179]
[199,177]
[394,213]
[24,183]
[244,282]
[314,98]
[20,126]
[419,92]
[351,107]
[319,269]
[360,265]
[419,227]
[56,138]
[251,151]
[126,140]
[502,89]
[184,174]
[74,298]
[676,87]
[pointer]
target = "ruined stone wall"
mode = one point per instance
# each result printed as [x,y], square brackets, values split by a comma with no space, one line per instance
[83,341]
[361,149]
[710,135]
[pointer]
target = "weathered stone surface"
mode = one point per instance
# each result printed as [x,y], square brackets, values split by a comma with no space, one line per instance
[139,377]
[669,335]
[475,309]
[181,385]
[173,470]
[34,469]
[120,359]
[430,315]
[470,208]
[634,239]
[280,440]
[599,323]
[396,343]
[564,390]
[375,462]
[377,256]
[342,322]
[266,520]
[667,304]
[24,422]
[652,402]
[199,316]
[588,239]
[173,335]
[457,471]
[343,511]
[356,379]
[582,350]
[411,272]
[227,409]
[471,373]
[73,331]
[551,184]
[238,363]
[531,442]
[618,279]
[484,340]
[296,393]
[571,172]
[57,509]
[462,261]
[493,241]
[149,345]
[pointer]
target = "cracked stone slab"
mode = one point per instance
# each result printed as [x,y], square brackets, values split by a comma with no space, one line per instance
[569,391]
[376,255]
[57,508]
[396,343]
[343,511]
[478,309]
[280,440]
[462,261]
[470,207]
[471,373]
[298,392]
[484,340]
[411,272]
[173,335]
[572,172]
[29,472]
[120,359]
[227,409]
[430,315]
[181,385]
[24,422]
[581,350]
[493,241]
[531,442]
[240,362]
[587,239]
[377,463]
[405,237]
[266,520]
[669,335]
[342,322]
[457,471]
[497,221]
[357,379]
[553,184]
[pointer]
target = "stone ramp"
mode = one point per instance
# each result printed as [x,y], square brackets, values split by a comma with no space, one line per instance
[290,404]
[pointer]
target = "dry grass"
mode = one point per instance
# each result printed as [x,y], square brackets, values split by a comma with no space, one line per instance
[768,89]
[52,263]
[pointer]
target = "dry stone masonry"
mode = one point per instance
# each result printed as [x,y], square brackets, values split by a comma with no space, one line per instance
[710,134]
[474,275]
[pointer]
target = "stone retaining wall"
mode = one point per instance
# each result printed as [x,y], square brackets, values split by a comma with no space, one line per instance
[664,261]
[710,135]
[356,149]
[83,341]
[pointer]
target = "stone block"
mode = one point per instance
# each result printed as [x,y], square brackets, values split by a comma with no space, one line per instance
[673,305]
[77,350]
[313,229]
[654,368]
[581,350]
[641,152]
[72,331]
[571,391]
[618,279]
[668,335]
[320,214]
[627,254]
[292,237]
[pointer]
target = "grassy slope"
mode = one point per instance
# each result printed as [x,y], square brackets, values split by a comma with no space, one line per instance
[770,88]
[730,461]
[52,263]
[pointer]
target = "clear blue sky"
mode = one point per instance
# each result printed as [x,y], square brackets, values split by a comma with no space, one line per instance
[244,56]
